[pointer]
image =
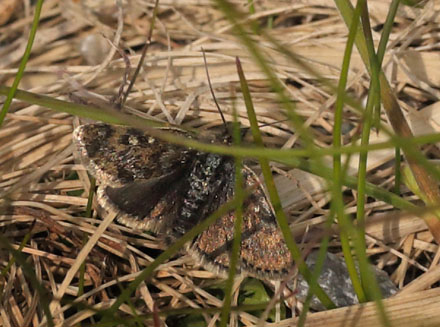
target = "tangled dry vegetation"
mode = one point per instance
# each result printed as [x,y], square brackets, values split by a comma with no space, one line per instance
[77,57]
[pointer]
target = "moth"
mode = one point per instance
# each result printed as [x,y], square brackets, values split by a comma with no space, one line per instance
[168,189]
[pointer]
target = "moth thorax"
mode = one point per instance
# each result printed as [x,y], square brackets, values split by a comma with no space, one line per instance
[203,182]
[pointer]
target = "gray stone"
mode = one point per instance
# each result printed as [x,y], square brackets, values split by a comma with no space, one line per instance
[336,282]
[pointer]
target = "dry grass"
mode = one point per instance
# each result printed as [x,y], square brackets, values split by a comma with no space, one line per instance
[39,177]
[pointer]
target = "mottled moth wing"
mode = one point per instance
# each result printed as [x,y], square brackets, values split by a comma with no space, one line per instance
[156,186]
[263,252]
[135,172]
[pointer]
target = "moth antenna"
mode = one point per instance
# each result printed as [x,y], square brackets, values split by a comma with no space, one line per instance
[119,98]
[212,91]
[273,123]
[144,52]
[246,129]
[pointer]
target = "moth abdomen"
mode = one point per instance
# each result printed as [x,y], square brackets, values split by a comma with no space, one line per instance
[203,182]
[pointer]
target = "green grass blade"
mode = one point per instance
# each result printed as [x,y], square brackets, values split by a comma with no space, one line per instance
[337,201]
[24,60]
[29,272]
[168,253]
[273,193]
[236,243]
